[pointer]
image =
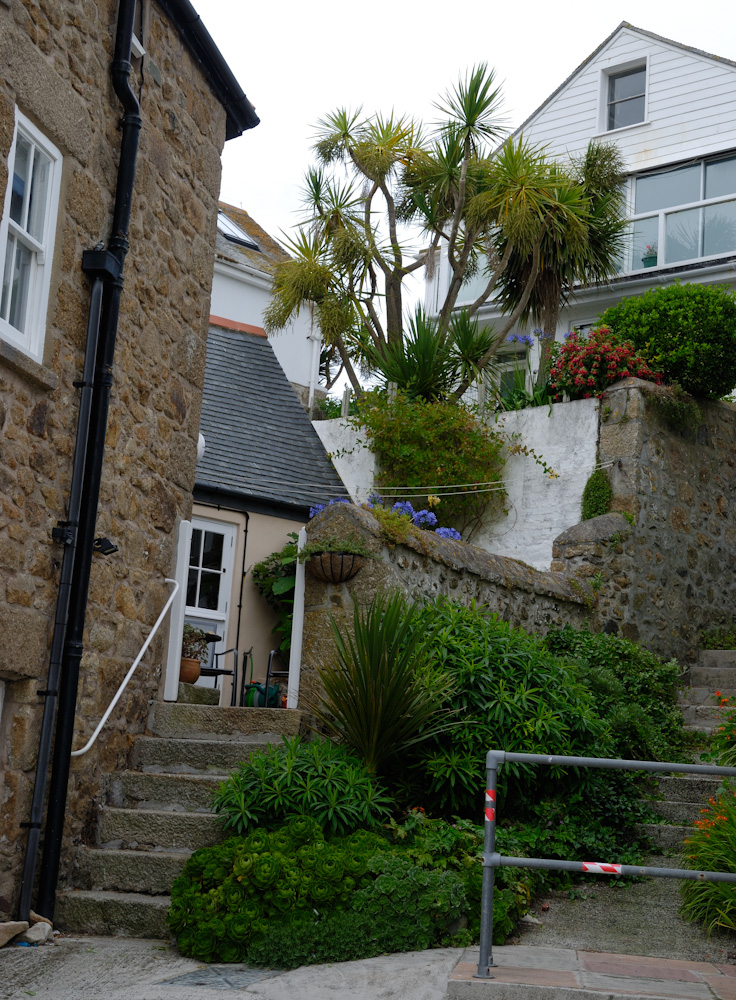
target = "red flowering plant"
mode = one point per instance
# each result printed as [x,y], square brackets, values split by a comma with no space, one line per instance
[585,366]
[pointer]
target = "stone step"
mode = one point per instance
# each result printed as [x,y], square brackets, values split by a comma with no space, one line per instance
[666,836]
[106,913]
[177,756]
[717,657]
[143,829]
[716,678]
[190,694]
[680,813]
[164,792]
[171,719]
[148,872]
[705,715]
[696,696]
[688,788]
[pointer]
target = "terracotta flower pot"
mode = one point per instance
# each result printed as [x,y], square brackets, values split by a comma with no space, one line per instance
[189,670]
[334,567]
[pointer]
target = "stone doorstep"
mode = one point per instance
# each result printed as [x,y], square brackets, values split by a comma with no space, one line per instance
[195,721]
[529,973]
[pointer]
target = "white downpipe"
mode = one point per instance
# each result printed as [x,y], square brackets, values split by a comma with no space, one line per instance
[178,613]
[136,661]
[297,630]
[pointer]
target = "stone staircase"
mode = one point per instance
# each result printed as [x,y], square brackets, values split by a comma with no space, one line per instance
[686,795]
[157,813]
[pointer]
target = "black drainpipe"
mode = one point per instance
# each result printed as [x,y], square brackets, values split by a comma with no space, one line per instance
[73,648]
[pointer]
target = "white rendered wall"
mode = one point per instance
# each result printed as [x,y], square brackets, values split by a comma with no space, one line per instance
[540,508]
[243,297]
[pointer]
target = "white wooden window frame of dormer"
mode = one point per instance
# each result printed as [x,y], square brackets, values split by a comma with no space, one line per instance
[675,214]
[27,233]
[608,74]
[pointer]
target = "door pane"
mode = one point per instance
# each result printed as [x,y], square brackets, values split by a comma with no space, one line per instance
[719,228]
[720,178]
[196,549]
[644,233]
[209,590]
[683,235]
[667,188]
[212,551]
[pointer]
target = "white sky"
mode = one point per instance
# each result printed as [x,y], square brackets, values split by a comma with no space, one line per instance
[297,61]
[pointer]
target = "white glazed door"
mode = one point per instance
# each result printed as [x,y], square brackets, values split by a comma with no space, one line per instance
[210,582]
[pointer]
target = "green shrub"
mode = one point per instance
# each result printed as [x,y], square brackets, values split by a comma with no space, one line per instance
[379,697]
[688,332]
[427,445]
[597,495]
[319,778]
[634,691]
[712,847]
[719,637]
[509,693]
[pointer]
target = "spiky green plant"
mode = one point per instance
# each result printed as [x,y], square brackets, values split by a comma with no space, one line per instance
[379,696]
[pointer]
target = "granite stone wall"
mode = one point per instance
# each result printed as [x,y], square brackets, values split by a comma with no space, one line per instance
[54,66]
[672,572]
[422,566]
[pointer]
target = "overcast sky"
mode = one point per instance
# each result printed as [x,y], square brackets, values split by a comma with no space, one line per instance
[298,61]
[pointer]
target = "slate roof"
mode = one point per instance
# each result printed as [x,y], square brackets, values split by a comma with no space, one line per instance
[269,252]
[260,443]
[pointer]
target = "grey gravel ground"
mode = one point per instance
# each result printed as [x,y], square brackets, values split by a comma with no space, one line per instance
[96,968]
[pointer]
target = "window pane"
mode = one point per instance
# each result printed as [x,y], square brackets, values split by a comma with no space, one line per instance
[39,192]
[212,553]
[209,590]
[192,588]
[21,171]
[21,280]
[644,235]
[629,112]
[196,548]
[629,84]
[667,188]
[683,235]
[719,228]
[720,178]
[7,271]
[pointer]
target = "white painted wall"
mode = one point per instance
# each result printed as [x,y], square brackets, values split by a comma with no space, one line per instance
[540,508]
[242,294]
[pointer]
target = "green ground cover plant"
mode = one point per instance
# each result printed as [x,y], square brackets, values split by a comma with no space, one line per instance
[318,778]
[597,495]
[719,637]
[688,332]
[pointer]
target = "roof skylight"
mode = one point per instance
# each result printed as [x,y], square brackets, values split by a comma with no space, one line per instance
[234,233]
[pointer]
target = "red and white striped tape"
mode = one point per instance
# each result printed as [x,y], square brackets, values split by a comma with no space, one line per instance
[601,868]
[490,803]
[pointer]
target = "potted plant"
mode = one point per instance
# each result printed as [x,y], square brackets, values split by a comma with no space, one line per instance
[193,650]
[335,560]
[649,257]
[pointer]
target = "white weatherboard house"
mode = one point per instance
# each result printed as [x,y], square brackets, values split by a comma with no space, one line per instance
[671,110]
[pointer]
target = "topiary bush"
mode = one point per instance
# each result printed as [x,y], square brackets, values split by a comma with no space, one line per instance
[597,495]
[319,778]
[688,332]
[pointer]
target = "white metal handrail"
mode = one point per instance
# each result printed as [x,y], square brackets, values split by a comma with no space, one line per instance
[136,661]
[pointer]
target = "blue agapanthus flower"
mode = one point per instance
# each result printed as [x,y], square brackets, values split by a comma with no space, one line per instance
[526,338]
[448,533]
[403,507]
[317,509]
[424,518]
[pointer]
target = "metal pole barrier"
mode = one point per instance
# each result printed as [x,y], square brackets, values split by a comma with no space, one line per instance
[606,868]
[485,960]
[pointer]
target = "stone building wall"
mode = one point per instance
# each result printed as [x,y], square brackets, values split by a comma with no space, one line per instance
[426,565]
[54,65]
[671,573]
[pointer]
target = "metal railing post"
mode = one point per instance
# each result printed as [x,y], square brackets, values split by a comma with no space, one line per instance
[485,960]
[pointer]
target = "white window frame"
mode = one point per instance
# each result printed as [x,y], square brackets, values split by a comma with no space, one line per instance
[604,91]
[30,340]
[662,213]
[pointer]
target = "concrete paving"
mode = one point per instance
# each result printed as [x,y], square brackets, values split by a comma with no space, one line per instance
[97,968]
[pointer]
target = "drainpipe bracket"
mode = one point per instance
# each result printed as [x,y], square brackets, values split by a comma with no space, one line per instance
[101,264]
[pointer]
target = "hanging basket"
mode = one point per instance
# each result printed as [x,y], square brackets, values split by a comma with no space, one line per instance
[334,567]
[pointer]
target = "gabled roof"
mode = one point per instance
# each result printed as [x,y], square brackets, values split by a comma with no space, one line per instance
[269,252]
[629,27]
[241,114]
[260,443]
